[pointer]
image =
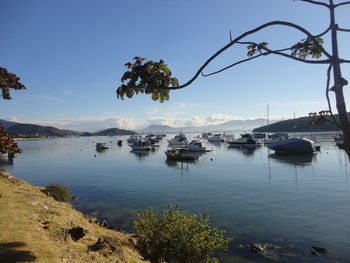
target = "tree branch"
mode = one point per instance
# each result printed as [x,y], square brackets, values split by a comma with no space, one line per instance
[279,52]
[343,29]
[323,33]
[315,2]
[234,41]
[234,64]
[344,3]
[327,96]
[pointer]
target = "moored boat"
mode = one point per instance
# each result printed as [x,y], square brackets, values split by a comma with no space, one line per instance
[197,146]
[101,146]
[180,154]
[293,146]
[178,140]
[141,145]
[246,140]
[216,138]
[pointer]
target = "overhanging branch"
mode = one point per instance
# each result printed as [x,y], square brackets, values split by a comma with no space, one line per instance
[344,3]
[234,41]
[343,29]
[315,2]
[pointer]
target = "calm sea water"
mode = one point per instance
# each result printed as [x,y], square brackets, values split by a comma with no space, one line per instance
[294,202]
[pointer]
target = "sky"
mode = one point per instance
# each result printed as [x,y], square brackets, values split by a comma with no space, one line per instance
[70,54]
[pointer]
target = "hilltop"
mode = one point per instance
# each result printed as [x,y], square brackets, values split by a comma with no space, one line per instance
[302,124]
[36,228]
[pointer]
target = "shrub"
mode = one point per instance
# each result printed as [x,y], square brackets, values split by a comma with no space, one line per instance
[174,236]
[58,192]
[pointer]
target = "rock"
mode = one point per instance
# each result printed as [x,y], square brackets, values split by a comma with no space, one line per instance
[316,251]
[6,175]
[257,247]
[76,233]
[104,245]
[75,198]
[2,195]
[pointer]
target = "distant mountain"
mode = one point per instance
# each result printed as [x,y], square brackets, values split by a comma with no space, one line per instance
[7,124]
[297,125]
[37,130]
[156,128]
[114,131]
[235,125]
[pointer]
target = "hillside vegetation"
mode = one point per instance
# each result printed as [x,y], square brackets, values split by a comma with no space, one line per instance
[36,228]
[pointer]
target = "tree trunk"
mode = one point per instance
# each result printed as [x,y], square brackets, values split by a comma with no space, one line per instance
[339,83]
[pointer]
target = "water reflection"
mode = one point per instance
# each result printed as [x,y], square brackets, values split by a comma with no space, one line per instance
[293,159]
[6,161]
[140,154]
[246,151]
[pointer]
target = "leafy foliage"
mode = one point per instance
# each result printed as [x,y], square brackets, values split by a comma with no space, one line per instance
[9,81]
[253,48]
[58,192]
[7,144]
[307,47]
[174,236]
[147,77]
[320,117]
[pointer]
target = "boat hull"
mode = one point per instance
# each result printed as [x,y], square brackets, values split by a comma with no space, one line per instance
[293,146]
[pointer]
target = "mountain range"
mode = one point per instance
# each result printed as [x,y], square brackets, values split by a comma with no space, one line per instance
[233,126]
[16,129]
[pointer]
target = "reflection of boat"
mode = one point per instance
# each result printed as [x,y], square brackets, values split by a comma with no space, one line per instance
[339,139]
[293,146]
[179,139]
[141,145]
[245,141]
[101,146]
[140,154]
[294,159]
[196,146]
[216,138]
[180,154]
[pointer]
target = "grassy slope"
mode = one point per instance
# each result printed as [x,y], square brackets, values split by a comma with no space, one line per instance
[33,228]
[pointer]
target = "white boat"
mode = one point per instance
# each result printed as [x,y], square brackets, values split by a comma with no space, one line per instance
[101,146]
[206,135]
[275,137]
[246,140]
[132,139]
[141,145]
[196,146]
[216,138]
[293,146]
[180,155]
[178,140]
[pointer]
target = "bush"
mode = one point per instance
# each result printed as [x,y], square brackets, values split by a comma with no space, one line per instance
[174,236]
[58,192]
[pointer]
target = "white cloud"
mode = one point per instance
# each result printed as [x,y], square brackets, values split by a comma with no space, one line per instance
[220,118]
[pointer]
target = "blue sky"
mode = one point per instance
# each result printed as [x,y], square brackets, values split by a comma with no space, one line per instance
[70,54]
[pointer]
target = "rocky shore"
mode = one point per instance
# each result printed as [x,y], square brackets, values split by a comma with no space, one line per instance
[36,228]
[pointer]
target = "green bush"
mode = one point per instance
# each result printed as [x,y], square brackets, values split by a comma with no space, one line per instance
[174,236]
[58,192]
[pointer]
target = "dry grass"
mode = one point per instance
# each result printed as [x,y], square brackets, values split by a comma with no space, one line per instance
[34,228]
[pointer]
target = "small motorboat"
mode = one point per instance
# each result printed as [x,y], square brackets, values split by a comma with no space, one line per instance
[196,146]
[180,155]
[216,138]
[120,142]
[293,146]
[101,146]
[246,140]
[339,139]
[140,145]
[178,140]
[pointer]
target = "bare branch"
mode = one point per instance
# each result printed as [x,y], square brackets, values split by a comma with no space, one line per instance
[234,64]
[234,41]
[343,29]
[327,96]
[230,36]
[323,33]
[344,3]
[344,61]
[314,2]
